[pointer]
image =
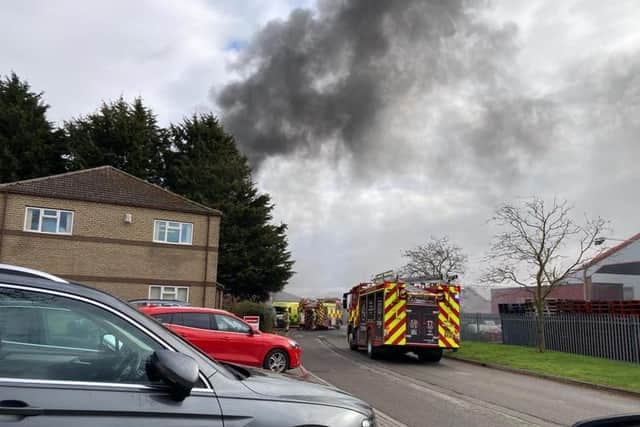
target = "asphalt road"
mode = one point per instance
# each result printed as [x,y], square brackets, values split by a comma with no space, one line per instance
[452,393]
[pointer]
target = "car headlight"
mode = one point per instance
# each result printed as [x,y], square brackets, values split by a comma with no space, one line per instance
[369,422]
[294,344]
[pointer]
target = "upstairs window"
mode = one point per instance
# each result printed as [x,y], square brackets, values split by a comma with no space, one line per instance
[179,233]
[43,220]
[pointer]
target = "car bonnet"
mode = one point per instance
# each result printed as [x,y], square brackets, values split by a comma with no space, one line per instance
[288,388]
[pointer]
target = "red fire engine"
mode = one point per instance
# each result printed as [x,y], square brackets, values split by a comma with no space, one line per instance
[404,317]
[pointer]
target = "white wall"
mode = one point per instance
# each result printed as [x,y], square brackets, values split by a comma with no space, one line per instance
[630,253]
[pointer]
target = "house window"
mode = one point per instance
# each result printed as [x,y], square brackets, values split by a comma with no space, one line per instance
[179,233]
[43,220]
[179,293]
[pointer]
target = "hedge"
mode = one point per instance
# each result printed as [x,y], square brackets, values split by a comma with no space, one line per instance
[248,308]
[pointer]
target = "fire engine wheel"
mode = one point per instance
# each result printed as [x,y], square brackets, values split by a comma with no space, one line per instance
[351,340]
[276,360]
[431,355]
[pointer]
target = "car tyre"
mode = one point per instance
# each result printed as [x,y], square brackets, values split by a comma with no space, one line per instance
[276,360]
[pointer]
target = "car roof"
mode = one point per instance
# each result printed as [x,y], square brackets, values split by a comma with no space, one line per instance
[67,287]
[173,309]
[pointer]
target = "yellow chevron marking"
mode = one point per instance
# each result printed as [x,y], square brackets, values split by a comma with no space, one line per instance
[402,330]
[441,332]
[398,307]
[390,299]
[446,322]
[444,307]
[453,303]
[444,341]
[397,320]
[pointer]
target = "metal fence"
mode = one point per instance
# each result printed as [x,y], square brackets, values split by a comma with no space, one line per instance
[480,327]
[608,336]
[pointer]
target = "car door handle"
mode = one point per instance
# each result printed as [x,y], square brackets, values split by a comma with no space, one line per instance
[18,407]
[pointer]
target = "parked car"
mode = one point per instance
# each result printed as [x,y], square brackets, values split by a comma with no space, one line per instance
[225,337]
[73,355]
[158,302]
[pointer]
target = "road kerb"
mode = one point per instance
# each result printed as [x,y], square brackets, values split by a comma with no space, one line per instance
[547,376]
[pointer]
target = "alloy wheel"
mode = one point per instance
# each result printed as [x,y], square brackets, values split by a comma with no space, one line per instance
[277,361]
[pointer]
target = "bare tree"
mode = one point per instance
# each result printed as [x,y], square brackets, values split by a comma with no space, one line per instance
[437,258]
[540,247]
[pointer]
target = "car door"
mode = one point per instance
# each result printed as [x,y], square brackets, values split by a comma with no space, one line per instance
[197,328]
[69,361]
[242,346]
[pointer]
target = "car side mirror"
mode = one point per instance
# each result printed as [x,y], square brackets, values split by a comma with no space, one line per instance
[251,332]
[111,342]
[344,301]
[178,371]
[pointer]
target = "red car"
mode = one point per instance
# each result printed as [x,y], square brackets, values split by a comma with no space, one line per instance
[224,336]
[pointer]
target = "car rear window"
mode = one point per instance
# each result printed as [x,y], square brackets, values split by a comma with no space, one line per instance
[163,317]
[195,320]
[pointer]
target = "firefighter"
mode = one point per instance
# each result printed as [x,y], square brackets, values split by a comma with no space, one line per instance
[286,319]
[313,320]
[301,318]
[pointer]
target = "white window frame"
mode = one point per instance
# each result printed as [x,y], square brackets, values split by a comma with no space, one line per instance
[27,227]
[162,292]
[156,224]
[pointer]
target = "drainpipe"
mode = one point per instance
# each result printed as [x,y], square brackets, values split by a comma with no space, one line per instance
[206,263]
[2,219]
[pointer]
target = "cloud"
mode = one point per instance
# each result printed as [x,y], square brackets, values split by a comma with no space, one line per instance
[374,126]
[389,83]
[80,53]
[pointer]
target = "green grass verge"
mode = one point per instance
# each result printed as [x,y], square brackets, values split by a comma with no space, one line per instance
[582,368]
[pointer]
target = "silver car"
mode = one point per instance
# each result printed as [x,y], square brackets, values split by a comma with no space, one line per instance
[74,356]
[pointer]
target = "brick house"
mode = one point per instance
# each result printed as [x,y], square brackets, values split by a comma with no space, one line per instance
[115,232]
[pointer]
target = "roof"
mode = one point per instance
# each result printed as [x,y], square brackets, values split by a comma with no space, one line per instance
[106,184]
[610,251]
[285,296]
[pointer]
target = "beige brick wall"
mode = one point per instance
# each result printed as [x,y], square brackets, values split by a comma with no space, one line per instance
[72,257]
[107,221]
[2,197]
[137,258]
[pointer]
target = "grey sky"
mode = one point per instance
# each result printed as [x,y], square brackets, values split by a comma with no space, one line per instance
[372,127]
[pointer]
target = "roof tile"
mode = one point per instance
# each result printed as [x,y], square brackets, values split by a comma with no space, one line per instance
[106,184]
